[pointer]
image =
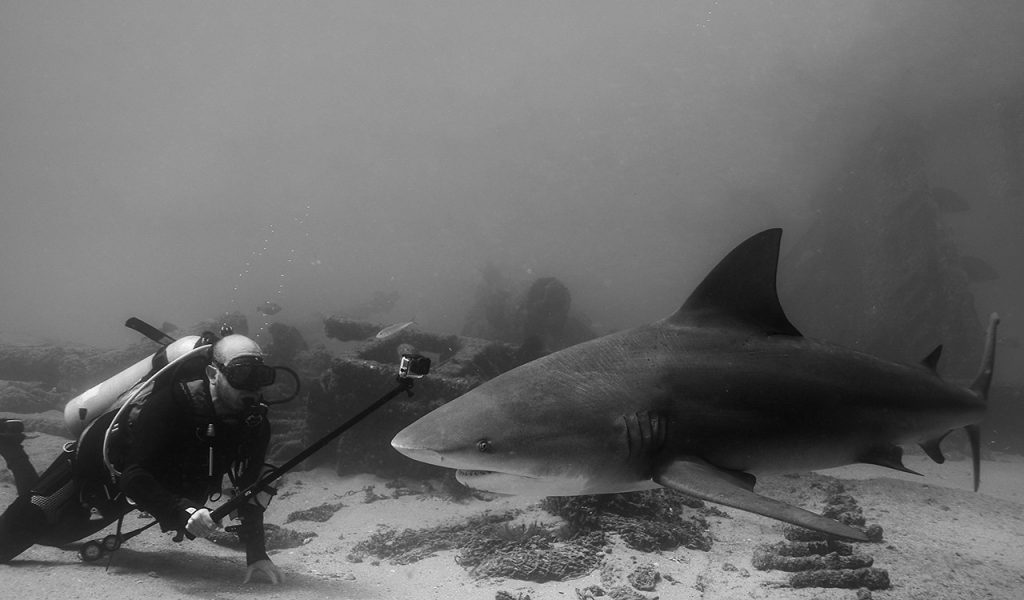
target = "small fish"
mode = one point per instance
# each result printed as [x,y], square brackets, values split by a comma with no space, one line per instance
[391,330]
[269,308]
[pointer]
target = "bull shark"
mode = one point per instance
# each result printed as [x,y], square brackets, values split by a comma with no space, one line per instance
[703,401]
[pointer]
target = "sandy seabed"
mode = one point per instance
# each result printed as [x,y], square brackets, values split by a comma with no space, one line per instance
[942,540]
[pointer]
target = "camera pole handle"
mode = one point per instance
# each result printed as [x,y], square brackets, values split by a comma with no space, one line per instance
[404,385]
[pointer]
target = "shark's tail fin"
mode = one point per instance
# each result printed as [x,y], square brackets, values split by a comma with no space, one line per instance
[980,387]
[984,378]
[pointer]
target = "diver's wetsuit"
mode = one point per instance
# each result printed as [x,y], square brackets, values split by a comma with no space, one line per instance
[167,467]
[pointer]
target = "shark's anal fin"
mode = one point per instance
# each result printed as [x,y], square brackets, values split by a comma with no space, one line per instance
[890,456]
[707,482]
[933,448]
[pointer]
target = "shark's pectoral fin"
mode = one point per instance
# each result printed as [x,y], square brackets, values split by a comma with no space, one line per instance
[890,456]
[707,482]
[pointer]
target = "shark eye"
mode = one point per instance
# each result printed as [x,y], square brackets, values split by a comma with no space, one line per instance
[483,445]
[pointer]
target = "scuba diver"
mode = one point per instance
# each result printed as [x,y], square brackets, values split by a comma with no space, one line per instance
[162,444]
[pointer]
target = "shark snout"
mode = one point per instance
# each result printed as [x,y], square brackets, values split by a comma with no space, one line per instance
[411,445]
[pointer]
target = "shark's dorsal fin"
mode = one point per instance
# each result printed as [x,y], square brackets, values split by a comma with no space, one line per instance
[932,360]
[741,290]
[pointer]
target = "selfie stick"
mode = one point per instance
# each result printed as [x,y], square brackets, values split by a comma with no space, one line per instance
[404,385]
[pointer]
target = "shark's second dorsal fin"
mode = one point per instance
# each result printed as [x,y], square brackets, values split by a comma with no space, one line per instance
[932,360]
[741,289]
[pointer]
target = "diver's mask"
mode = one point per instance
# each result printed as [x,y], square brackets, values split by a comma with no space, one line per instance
[247,373]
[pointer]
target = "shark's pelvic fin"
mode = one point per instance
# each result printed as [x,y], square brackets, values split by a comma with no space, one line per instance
[932,360]
[741,290]
[707,482]
[890,456]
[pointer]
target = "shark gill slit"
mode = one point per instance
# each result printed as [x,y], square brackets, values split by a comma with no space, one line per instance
[645,433]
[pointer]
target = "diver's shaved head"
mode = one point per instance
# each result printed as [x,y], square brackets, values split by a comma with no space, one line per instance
[233,346]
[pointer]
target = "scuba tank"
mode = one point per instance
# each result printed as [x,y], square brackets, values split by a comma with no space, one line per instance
[127,400]
[112,393]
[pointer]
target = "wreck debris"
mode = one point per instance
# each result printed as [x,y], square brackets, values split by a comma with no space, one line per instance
[349,330]
[870,578]
[816,560]
[766,560]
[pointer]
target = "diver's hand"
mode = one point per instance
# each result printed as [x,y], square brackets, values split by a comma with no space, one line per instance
[200,523]
[268,568]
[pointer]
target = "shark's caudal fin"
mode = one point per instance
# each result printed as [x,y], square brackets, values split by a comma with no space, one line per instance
[980,387]
[707,482]
[984,378]
[740,290]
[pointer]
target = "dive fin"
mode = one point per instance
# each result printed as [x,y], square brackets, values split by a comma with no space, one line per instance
[932,448]
[149,331]
[890,456]
[707,482]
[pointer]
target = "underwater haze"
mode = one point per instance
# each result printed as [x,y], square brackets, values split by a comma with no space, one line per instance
[175,161]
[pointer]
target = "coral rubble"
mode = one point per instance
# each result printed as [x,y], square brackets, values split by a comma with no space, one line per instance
[648,521]
[490,546]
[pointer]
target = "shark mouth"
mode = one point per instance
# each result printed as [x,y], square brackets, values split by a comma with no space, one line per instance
[469,473]
[475,474]
[486,479]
